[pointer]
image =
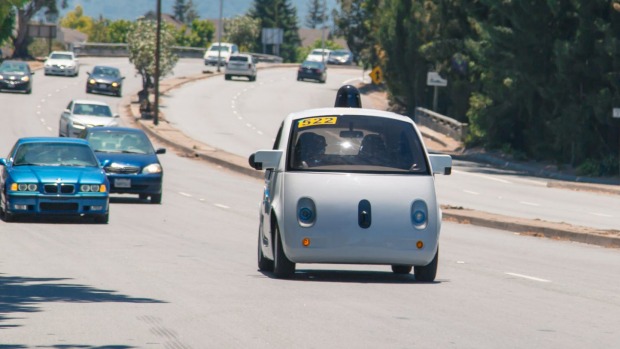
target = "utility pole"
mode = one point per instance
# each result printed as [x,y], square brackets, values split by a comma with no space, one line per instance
[323,32]
[157,54]
[219,37]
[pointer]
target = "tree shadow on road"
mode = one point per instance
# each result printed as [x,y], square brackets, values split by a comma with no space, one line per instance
[23,294]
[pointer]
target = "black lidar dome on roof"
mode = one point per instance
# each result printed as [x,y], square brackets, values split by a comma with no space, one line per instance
[348,97]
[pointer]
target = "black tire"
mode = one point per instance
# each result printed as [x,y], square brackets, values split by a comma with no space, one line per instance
[227,77]
[119,93]
[156,198]
[88,91]
[264,264]
[401,269]
[102,219]
[283,268]
[428,272]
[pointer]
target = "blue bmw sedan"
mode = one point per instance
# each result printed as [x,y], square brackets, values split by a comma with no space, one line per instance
[129,160]
[48,176]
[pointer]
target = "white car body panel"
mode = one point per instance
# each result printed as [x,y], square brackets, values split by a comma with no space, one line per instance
[336,235]
[67,67]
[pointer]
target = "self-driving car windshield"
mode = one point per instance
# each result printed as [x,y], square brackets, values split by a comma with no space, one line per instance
[353,143]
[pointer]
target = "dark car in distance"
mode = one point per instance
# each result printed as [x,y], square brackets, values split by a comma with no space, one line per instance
[313,71]
[16,76]
[129,160]
[105,80]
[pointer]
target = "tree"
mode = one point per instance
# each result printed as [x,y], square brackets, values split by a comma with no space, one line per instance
[357,21]
[278,14]
[117,31]
[7,18]
[78,21]
[316,13]
[141,44]
[185,11]
[242,30]
[25,12]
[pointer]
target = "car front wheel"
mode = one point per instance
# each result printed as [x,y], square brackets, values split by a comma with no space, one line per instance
[102,219]
[264,264]
[428,272]
[401,269]
[156,198]
[283,268]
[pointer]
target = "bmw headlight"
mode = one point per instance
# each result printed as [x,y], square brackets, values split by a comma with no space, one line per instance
[93,188]
[24,187]
[152,168]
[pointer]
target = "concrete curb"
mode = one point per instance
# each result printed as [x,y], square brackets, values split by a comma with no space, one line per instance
[176,139]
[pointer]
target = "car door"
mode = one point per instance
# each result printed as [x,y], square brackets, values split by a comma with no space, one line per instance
[64,120]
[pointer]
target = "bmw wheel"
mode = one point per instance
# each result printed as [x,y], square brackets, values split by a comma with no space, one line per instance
[283,268]
[428,272]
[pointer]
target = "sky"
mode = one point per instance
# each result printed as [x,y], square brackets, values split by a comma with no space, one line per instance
[132,9]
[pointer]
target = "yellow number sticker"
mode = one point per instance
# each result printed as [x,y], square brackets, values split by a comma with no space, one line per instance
[326,120]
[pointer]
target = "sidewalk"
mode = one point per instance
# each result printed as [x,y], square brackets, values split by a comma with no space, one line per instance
[436,142]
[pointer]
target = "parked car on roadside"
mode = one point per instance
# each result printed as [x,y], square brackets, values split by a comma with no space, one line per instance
[49,176]
[15,76]
[312,70]
[218,53]
[61,63]
[349,185]
[105,79]
[240,64]
[129,160]
[81,114]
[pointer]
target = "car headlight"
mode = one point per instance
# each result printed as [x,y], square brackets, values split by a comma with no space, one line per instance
[306,212]
[152,168]
[92,81]
[24,187]
[115,84]
[419,214]
[1,77]
[79,125]
[25,78]
[93,188]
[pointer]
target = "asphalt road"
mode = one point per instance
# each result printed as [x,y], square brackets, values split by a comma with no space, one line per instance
[183,274]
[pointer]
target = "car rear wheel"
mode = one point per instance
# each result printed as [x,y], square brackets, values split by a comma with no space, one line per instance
[428,272]
[156,198]
[401,269]
[283,268]
[264,264]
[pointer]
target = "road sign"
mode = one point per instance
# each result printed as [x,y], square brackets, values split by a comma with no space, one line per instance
[433,79]
[376,75]
[616,113]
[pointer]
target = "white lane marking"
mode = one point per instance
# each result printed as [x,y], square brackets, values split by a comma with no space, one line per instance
[527,277]
[248,125]
[42,121]
[221,206]
[260,132]
[239,117]
[43,101]
[49,129]
[470,192]
[483,176]
[49,95]
[185,194]
[529,203]
[601,214]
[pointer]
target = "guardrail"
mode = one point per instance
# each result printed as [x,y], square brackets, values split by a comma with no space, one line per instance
[441,123]
[120,50]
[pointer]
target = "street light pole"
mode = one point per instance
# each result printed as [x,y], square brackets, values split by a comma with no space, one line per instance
[157,54]
[219,37]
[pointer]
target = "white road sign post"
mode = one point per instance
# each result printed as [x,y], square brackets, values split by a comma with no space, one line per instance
[433,79]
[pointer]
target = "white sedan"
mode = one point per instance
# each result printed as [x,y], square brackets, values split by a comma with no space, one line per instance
[61,63]
[81,114]
[349,186]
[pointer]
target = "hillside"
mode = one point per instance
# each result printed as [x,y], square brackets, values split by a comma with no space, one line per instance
[118,9]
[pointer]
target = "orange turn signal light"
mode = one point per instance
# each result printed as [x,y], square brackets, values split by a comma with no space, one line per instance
[419,244]
[305,242]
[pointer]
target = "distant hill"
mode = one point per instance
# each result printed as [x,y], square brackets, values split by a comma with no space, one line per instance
[132,9]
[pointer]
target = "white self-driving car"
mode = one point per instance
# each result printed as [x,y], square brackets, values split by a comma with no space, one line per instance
[349,186]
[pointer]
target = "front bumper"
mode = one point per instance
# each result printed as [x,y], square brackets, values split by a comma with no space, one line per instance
[58,205]
[103,87]
[14,85]
[55,70]
[135,183]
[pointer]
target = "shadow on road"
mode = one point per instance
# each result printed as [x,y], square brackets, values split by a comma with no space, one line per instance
[353,276]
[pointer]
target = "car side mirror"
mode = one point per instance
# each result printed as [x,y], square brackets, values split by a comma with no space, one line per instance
[265,159]
[116,116]
[160,151]
[122,78]
[3,161]
[88,73]
[441,164]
